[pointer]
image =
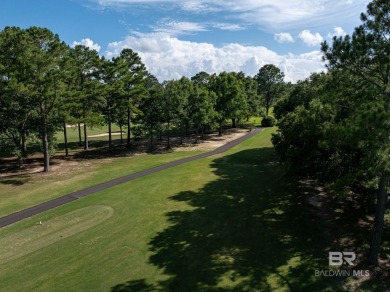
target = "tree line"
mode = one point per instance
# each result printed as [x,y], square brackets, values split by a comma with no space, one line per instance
[46,84]
[335,126]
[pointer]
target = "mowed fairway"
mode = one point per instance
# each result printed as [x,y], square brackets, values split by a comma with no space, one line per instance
[229,221]
[21,192]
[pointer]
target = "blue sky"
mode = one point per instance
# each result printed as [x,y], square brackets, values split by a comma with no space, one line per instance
[182,37]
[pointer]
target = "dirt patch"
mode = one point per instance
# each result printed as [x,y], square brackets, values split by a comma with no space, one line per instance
[210,142]
[34,166]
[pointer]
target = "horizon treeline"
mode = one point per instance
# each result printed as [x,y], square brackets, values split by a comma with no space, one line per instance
[46,84]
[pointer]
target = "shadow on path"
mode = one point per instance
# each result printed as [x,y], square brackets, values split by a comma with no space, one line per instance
[248,231]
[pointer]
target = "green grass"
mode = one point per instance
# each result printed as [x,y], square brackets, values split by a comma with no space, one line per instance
[36,237]
[256,121]
[253,121]
[228,222]
[73,133]
[21,192]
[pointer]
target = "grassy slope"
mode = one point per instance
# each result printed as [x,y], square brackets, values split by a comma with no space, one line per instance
[228,221]
[21,192]
[17,193]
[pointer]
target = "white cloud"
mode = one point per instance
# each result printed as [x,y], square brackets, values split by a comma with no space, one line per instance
[228,26]
[338,32]
[196,6]
[311,39]
[88,43]
[283,37]
[167,57]
[271,14]
[173,27]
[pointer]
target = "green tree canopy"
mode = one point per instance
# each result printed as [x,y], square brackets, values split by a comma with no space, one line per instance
[269,84]
[365,54]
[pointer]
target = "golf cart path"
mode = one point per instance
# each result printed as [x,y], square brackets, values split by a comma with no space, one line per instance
[26,213]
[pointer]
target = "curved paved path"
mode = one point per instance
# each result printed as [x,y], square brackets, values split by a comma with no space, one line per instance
[23,214]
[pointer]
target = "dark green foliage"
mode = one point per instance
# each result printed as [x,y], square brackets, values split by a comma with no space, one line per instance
[336,127]
[83,82]
[268,122]
[201,108]
[231,100]
[269,84]
[31,63]
[253,104]
[152,108]
[133,76]
[366,56]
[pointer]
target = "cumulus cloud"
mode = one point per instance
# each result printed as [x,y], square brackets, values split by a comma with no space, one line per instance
[283,37]
[88,43]
[338,32]
[311,39]
[168,57]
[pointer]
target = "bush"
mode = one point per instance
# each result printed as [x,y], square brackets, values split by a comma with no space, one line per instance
[268,122]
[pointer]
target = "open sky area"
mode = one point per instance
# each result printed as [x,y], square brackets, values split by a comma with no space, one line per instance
[182,37]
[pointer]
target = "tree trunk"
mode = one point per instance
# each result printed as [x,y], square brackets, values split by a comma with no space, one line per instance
[24,145]
[168,142]
[203,130]
[86,146]
[120,129]
[380,210]
[267,104]
[20,162]
[234,123]
[109,129]
[45,141]
[66,141]
[109,137]
[220,129]
[20,155]
[151,140]
[23,150]
[128,127]
[80,143]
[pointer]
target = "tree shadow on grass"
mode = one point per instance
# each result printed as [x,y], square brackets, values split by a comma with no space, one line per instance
[246,231]
[14,182]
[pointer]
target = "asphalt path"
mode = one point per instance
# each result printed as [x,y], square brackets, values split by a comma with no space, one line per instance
[26,213]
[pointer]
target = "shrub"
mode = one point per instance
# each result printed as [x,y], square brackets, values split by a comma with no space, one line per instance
[268,122]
